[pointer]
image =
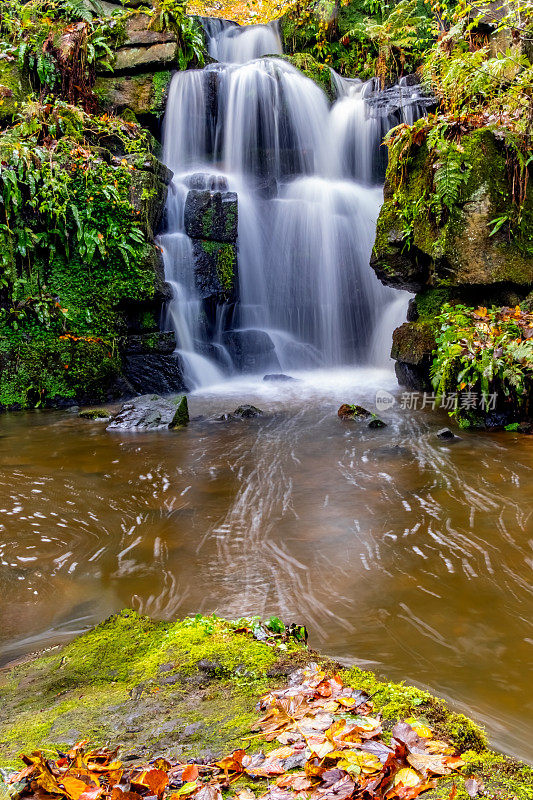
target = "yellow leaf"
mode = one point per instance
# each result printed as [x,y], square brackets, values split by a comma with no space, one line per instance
[407,777]
[420,728]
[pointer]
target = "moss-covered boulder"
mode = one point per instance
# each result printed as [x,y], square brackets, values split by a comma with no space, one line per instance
[188,690]
[419,244]
[145,94]
[212,216]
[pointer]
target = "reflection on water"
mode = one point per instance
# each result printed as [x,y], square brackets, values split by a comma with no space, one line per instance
[396,549]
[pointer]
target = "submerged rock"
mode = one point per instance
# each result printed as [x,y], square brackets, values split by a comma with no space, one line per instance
[279,377]
[248,412]
[151,412]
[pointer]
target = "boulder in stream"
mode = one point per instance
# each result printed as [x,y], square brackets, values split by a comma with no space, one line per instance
[279,377]
[347,411]
[247,412]
[151,412]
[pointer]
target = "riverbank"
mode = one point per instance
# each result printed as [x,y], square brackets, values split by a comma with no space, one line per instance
[187,691]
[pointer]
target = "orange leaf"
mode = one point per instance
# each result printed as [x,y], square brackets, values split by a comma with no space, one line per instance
[190,773]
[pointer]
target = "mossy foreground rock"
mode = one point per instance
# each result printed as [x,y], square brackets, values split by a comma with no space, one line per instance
[189,689]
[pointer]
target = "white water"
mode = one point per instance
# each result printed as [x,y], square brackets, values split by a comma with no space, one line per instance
[308,183]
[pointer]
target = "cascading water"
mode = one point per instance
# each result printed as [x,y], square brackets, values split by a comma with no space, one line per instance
[308,180]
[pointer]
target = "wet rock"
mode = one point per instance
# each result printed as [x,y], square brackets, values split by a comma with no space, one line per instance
[156,373]
[95,414]
[279,377]
[211,216]
[207,180]
[446,435]
[251,350]
[181,417]
[377,423]
[215,268]
[149,412]
[347,411]
[247,412]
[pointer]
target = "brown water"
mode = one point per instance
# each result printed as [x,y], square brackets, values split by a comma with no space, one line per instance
[417,560]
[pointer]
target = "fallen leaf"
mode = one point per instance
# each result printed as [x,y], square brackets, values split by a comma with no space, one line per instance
[190,773]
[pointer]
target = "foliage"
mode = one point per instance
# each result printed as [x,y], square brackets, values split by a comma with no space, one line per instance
[72,244]
[473,74]
[400,37]
[490,351]
[172,15]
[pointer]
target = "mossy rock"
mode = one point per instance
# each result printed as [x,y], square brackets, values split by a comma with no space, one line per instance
[188,689]
[145,95]
[413,343]
[413,251]
[95,414]
[181,417]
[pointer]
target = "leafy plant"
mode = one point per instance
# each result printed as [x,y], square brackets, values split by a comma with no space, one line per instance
[487,350]
[172,15]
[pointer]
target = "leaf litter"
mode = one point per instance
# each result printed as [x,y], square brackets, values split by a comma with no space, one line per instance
[330,746]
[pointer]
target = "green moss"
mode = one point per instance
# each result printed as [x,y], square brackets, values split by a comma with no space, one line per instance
[94,413]
[225,262]
[181,417]
[226,266]
[208,219]
[160,83]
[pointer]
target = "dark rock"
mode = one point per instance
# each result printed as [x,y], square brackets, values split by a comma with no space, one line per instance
[412,311]
[446,435]
[347,411]
[155,372]
[377,423]
[279,377]
[414,378]
[247,412]
[211,216]
[251,350]
[149,412]
[161,342]
[215,268]
[207,181]
[210,667]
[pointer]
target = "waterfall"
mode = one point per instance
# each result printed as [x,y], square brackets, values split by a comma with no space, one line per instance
[308,178]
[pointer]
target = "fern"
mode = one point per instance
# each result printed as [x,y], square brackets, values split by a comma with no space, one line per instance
[451,175]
